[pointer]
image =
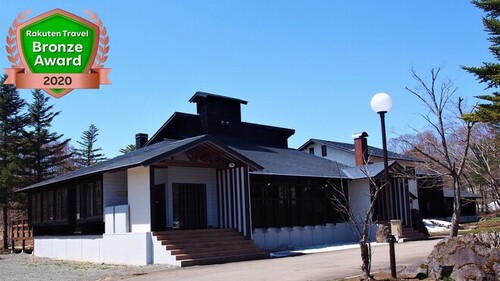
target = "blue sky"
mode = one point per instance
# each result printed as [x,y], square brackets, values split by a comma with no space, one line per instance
[312,66]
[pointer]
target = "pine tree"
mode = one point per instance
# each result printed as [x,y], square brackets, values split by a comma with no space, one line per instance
[12,124]
[489,73]
[88,154]
[45,152]
[127,149]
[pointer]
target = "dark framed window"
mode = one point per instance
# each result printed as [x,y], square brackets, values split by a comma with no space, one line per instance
[48,205]
[68,208]
[323,150]
[61,203]
[89,200]
[36,207]
[311,150]
[281,201]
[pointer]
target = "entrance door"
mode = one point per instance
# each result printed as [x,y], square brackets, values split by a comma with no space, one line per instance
[189,205]
[159,208]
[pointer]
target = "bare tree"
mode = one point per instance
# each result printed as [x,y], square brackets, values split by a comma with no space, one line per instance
[360,223]
[447,141]
[482,168]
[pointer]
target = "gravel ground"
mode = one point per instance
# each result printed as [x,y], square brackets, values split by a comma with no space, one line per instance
[28,267]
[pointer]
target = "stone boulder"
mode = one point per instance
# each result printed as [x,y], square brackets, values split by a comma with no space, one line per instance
[415,271]
[382,232]
[464,257]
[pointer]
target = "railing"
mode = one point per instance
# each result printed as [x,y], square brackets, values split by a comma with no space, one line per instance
[21,235]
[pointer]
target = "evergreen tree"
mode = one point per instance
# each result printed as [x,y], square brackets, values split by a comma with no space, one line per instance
[127,149]
[88,154]
[12,124]
[45,152]
[489,73]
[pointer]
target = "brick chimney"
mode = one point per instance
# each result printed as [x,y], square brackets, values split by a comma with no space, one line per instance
[140,140]
[361,148]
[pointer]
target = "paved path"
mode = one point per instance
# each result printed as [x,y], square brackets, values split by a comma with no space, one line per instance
[318,266]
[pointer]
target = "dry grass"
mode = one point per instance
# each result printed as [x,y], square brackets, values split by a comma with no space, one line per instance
[382,276]
[490,223]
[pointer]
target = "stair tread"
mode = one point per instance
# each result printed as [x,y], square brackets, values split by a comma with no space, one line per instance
[178,251]
[209,255]
[209,246]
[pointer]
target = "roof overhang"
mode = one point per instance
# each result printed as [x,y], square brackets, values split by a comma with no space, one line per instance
[201,151]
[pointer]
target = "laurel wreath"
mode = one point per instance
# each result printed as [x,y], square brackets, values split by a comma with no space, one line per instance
[11,47]
[102,54]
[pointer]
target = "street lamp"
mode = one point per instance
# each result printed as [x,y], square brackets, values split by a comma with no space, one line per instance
[381,103]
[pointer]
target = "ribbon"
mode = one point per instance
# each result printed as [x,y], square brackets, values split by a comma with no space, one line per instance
[90,80]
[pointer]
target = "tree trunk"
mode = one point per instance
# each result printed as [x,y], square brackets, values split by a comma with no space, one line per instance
[365,251]
[455,219]
[365,259]
[5,230]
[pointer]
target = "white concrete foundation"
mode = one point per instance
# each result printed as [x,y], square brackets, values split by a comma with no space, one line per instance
[127,248]
[274,238]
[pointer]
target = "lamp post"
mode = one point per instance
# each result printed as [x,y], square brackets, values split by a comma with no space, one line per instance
[381,103]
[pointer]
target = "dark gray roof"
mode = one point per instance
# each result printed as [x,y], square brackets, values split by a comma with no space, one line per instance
[289,162]
[141,157]
[267,161]
[370,170]
[349,147]
[448,192]
[199,94]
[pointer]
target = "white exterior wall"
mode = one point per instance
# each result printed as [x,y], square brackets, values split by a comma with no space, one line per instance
[205,176]
[129,248]
[359,198]
[114,188]
[412,187]
[337,155]
[139,199]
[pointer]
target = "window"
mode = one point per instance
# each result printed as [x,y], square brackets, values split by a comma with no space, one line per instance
[323,150]
[292,201]
[48,205]
[89,200]
[68,208]
[36,207]
[311,150]
[61,206]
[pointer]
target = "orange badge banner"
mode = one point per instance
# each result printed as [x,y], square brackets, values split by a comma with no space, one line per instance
[90,80]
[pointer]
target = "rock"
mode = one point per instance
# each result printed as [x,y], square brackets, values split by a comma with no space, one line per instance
[468,272]
[417,270]
[382,232]
[496,268]
[468,255]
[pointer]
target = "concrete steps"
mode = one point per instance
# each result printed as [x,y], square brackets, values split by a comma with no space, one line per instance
[209,246]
